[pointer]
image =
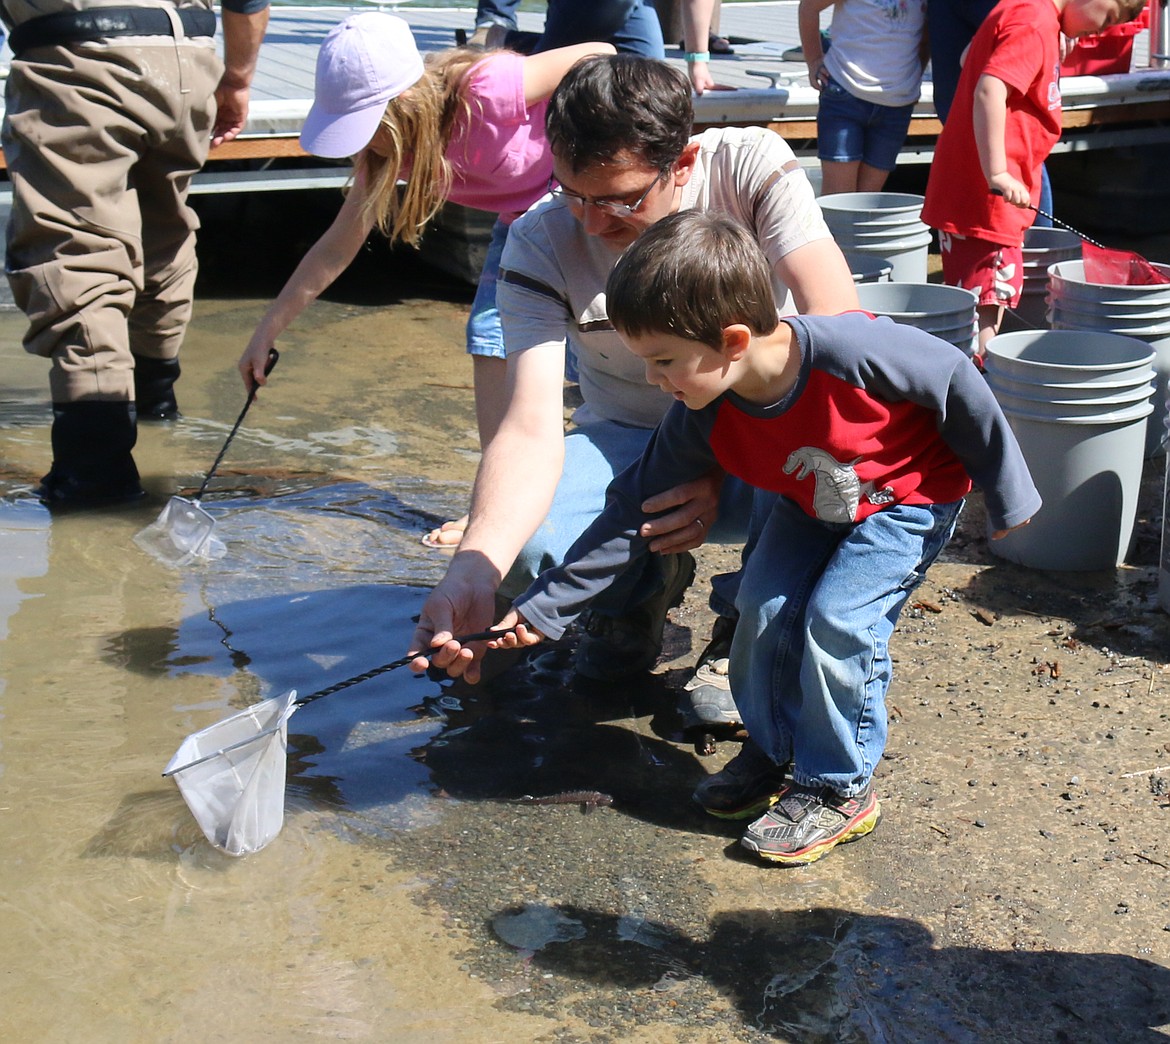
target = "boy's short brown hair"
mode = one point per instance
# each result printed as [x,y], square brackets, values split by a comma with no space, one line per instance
[1130,9]
[692,274]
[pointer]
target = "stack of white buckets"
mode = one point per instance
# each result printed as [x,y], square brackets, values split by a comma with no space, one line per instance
[888,224]
[1078,404]
[1087,400]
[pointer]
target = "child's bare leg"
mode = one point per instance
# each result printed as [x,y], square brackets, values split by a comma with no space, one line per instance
[990,316]
[838,177]
[871,179]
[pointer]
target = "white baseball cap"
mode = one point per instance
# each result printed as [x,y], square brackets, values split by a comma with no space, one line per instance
[363,63]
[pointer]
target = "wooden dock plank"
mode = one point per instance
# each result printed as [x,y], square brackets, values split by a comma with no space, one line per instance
[769,89]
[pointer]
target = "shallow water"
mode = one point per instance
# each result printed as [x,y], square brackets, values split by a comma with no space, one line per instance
[119,921]
[410,895]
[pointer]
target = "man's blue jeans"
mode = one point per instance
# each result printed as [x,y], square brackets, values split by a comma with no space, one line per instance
[810,663]
[594,454]
[630,25]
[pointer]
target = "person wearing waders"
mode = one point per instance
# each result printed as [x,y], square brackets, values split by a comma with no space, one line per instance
[109,111]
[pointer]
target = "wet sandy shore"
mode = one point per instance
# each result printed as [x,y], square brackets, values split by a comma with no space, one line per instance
[1017,889]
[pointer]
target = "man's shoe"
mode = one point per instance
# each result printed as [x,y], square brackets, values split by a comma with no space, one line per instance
[747,785]
[706,697]
[807,823]
[92,461]
[59,490]
[615,647]
[485,38]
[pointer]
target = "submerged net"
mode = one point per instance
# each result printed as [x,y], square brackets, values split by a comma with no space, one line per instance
[182,534]
[232,775]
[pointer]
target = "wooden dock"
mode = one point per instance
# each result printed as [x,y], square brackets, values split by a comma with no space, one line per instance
[767,86]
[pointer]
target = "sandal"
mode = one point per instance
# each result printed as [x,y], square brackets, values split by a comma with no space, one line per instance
[715,45]
[447,536]
[719,44]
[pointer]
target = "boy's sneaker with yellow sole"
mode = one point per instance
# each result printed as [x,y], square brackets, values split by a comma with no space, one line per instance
[749,783]
[807,823]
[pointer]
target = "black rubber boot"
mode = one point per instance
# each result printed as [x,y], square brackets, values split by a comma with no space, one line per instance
[154,388]
[92,462]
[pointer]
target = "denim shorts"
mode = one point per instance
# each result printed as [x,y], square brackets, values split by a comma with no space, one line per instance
[850,130]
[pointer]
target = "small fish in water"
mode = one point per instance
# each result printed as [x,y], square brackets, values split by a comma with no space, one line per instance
[587,799]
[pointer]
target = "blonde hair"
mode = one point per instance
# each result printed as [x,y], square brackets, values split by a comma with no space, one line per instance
[417,128]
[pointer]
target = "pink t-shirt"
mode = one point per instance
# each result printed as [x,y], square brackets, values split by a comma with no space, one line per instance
[500,158]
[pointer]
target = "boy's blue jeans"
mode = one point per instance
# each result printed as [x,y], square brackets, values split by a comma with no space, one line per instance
[810,663]
[594,454]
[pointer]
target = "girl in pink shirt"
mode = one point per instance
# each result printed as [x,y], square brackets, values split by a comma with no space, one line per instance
[464,126]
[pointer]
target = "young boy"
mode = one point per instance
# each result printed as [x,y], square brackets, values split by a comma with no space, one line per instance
[868,434]
[1002,126]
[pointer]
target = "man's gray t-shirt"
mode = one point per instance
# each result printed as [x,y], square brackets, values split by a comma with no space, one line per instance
[553,274]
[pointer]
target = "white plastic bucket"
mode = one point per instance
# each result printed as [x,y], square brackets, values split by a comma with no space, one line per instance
[883,224]
[945,311]
[1068,357]
[1018,397]
[1071,392]
[1142,312]
[1043,247]
[1084,450]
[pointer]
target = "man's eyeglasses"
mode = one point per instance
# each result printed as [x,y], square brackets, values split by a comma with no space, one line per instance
[606,206]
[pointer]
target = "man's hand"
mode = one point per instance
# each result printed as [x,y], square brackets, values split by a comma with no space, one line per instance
[231,112]
[696,507]
[463,602]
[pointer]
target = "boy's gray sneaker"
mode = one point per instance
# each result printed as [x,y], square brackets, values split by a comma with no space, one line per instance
[808,823]
[706,698]
[748,784]
[615,647]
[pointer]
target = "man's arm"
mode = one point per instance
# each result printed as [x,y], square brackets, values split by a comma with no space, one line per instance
[243,32]
[818,276]
[514,487]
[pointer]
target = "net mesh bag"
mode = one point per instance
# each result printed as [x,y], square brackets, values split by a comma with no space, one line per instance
[232,775]
[1119,267]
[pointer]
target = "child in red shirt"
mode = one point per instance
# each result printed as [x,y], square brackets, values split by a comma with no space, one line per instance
[1005,120]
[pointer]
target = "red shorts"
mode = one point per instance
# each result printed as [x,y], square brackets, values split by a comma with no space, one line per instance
[994,273]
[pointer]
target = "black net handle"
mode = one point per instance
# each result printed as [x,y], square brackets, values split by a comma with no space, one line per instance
[480,636]
[273,355]
[1056,221]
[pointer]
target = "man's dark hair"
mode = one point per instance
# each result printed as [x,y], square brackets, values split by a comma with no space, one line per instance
[691,274]
[610,104]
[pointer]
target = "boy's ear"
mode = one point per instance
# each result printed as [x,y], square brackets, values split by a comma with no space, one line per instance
[736,339]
